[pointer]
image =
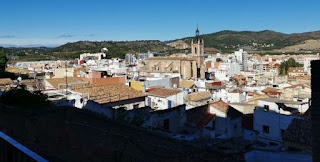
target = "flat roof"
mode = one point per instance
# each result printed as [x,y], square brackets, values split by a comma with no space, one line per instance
[303,96]
[281,101]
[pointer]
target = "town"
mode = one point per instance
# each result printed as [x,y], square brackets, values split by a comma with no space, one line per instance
[239,105]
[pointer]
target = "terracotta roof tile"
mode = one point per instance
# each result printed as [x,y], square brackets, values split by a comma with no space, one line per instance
[297,85]
[5,81]
[226,108]
[199,96]
[110,93]
[164,92]
[56,81]
[271,90]
[221,106]
[186,84]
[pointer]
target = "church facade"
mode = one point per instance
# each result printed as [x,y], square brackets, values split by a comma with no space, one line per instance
[187,67]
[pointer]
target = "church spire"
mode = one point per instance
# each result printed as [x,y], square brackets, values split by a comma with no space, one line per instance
[197,33]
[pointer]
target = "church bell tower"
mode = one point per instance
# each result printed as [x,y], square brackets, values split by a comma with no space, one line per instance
[197,48]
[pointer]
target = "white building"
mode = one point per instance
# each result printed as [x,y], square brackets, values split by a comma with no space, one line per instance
[271,118]
[228,121]
[307,63]
[164,98]
[242,58]
[131,59]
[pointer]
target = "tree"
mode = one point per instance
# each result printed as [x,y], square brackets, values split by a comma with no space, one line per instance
[285,65]
[19,96]
[291,62]
[3,61]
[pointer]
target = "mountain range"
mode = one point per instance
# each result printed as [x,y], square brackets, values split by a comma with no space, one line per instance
[223,40]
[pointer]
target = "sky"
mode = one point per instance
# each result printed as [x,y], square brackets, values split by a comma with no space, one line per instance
[55,22]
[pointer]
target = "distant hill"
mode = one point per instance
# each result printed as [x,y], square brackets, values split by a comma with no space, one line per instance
[226,40]
[263,40]
[116,48]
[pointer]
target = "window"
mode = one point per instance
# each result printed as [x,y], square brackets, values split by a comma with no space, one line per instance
[136,106]
[266,108]
[265,129]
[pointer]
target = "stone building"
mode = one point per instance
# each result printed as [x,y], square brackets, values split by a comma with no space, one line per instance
[185,67]
[197,48]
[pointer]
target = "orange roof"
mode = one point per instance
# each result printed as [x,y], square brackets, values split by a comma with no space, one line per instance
[105,81]
[110,93]
[5,81]
[164,92]
[269,89]
[297,85]
[220,105]
[186,84]
[226,108]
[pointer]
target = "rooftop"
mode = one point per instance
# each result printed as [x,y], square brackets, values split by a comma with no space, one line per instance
[269,89]
[275,100]
[110,93]
[55,82]
[303,96]
[225,108]
[199,96]
[297,86]
[4,81]
[186,84]
[164,92]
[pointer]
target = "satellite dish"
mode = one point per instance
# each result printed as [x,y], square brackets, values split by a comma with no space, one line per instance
[19,79]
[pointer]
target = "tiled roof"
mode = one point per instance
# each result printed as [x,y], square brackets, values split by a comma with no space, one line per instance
[186,84]
[4,81]
[56,81]
[104,81]
[221,106]
[297,85]
[199,96]
[164,92]
[299,131]
[226,108]
[110,93]
[214,85]
[271,90]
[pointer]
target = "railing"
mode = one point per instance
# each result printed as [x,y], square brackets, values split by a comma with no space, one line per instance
[11,150]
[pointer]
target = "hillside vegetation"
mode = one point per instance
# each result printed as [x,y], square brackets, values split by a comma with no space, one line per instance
[231,39]
[226,41]
[116,49]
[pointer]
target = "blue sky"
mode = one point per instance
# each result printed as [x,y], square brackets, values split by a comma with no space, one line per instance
[55,22]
